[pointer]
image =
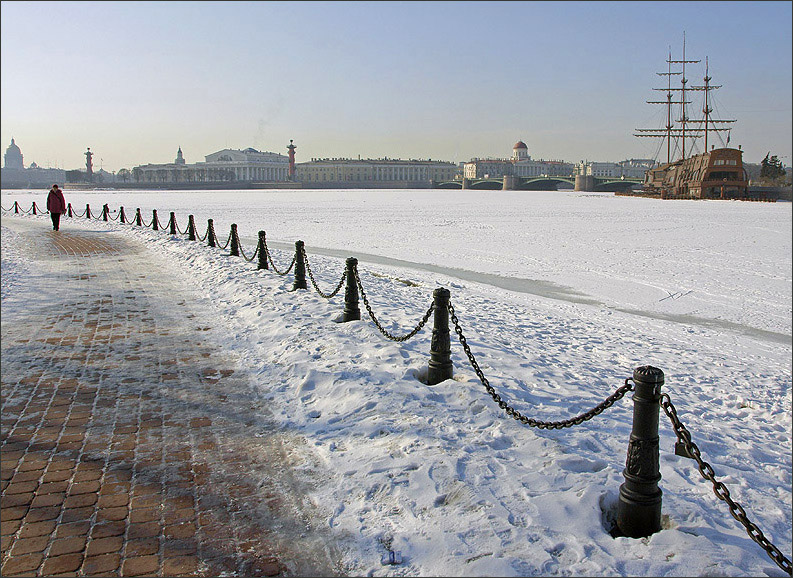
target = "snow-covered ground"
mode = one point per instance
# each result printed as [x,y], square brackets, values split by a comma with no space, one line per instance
[560,296]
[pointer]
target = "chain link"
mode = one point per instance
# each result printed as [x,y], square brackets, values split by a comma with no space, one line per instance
[314,283]
[515,414]
[227,242]
[270,259]
[377,323]
[721,491]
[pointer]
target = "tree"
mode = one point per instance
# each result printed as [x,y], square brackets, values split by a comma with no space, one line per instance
[771,168]
[123,174]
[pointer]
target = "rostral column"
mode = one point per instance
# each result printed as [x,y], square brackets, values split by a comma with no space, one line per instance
[291,148]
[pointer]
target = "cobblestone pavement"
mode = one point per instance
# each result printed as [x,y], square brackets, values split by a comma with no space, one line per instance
[131,445]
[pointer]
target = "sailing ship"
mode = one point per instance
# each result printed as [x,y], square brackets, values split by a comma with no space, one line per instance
[715,173]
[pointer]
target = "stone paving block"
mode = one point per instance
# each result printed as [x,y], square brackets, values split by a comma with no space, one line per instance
[61,564]
[140,565]
[21,565]
[104,565]
[104,545]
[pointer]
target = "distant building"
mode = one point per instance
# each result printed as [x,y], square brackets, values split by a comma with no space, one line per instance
[227,165]
[630,169]
[15,175]
[519,165]
[373,173]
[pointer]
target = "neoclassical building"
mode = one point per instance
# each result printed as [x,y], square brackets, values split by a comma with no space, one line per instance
[519,165]
[227,165]
[374,173]
[14,173]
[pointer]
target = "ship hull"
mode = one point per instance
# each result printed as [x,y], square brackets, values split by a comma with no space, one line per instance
[716,174]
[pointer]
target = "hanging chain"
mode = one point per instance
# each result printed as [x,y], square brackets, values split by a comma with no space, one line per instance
[377,323]
[270,259]
[608,402]
[721,491]
[242,252]
[227,242]
[314,283]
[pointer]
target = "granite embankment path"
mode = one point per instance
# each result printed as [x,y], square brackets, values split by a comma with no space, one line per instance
[132,444]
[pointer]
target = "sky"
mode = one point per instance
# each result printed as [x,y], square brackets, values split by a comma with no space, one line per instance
[134,81]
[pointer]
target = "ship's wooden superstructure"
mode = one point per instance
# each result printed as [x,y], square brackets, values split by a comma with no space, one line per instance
[715,173]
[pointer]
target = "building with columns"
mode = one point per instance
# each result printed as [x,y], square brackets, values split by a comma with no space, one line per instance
[520,164]
[225,166]
[374,173]
[630,168]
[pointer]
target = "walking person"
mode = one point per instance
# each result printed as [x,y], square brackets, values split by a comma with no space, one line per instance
[56,205]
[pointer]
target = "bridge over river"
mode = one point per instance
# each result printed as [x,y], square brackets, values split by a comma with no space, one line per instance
[544,183]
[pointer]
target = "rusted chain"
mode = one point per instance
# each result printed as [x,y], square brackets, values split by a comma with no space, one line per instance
[721,491]
[314,283]
[515,414]
[377,323]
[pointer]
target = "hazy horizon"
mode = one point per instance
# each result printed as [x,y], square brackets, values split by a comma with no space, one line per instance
[451,81]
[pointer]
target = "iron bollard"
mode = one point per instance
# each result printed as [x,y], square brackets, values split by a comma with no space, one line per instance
[190,228]
[300,267]
[154,224]
[639,507]
[87,211]
[16,208]
[138,219]
[121,216]
[235,243]
[34,208]
[262,252]
[70,210]
[351,310]
[105,211]
[172,223]
[211,232]
[440,366]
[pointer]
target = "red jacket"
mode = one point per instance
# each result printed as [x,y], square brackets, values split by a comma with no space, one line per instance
[55,202]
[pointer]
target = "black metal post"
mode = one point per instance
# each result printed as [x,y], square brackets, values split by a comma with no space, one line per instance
[300,267]
[639,507]
[70,210]
[87,211]
[190,228]
[34,208]
[138,218]
[440,366]
[351,310]
[172,223]
[211,232]
[154,224]
[121,216]
[16,208]
[262,252]
[235,243]
[105,211]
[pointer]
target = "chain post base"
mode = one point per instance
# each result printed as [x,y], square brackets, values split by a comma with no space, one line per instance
[440,365]
[639,507]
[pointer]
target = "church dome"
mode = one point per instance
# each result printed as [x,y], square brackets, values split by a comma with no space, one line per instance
[13,147]
[520,145]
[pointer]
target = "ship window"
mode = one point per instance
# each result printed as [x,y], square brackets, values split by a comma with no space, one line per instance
[719,162]
[732,162]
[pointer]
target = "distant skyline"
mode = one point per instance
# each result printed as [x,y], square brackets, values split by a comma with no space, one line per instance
[449,81]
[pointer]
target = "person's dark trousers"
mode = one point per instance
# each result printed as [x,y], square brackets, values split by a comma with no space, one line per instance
[56,221]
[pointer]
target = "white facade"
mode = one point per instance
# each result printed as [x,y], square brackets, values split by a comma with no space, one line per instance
[227,165]
[519,165]
[630,169]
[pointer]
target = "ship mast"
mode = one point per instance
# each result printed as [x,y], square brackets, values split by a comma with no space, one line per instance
[710,123]
[683,117]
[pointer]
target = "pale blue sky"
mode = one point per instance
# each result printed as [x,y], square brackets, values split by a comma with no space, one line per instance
[442,80]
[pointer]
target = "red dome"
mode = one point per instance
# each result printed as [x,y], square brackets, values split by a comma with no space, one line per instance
[520,145]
